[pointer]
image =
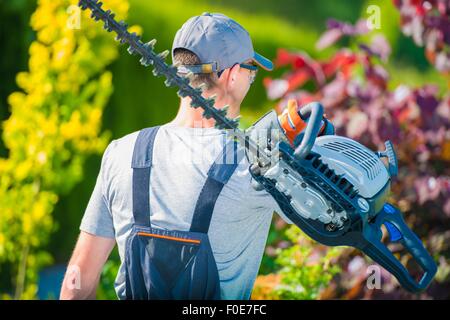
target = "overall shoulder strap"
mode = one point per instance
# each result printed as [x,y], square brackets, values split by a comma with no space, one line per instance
[218,175]
[142,165]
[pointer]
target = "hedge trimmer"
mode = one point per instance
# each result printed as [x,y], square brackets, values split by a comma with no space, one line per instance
[333,188]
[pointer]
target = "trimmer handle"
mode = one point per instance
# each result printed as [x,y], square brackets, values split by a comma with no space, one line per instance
[391,217]
[313,113]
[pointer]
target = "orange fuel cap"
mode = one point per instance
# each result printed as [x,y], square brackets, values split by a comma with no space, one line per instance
[291,122]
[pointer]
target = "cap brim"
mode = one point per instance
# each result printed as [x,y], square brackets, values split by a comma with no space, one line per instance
[263,62]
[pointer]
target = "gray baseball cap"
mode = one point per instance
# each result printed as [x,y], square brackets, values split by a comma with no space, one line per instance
[218,41]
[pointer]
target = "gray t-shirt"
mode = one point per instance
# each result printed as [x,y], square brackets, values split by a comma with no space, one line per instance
[181,159]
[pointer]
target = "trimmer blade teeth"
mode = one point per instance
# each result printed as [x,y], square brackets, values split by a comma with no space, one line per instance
[149,57]
[82,4]
[163,55]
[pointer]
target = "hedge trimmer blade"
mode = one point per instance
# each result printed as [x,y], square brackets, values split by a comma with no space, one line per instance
[161,68]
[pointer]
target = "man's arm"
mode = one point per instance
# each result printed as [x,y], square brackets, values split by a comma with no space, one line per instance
[85,266]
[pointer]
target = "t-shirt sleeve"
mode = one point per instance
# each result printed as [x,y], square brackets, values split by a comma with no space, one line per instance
[97,219]
[264,201]
[275,207]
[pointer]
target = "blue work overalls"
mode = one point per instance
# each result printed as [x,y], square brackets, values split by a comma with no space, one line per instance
[172,264]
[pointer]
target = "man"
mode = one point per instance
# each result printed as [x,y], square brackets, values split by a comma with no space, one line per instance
[220,53]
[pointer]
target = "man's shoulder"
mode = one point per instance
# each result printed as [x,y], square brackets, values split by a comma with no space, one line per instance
[122,144]
[120,150]
[125,142]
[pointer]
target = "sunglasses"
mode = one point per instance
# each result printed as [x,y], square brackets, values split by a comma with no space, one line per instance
[253,70]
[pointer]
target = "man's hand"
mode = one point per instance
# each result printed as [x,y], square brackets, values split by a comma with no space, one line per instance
[85,266]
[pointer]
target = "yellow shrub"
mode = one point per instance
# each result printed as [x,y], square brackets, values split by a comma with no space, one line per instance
[54,125]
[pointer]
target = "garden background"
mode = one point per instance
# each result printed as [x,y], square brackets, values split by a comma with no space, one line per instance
[65,93]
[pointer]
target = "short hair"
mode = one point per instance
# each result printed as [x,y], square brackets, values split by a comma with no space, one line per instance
[187,57]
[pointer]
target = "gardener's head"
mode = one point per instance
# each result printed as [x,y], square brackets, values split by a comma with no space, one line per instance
[220,53]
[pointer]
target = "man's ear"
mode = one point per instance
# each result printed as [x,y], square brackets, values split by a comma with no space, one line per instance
[232,75]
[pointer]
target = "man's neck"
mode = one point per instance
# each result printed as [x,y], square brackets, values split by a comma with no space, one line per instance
[190,117]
